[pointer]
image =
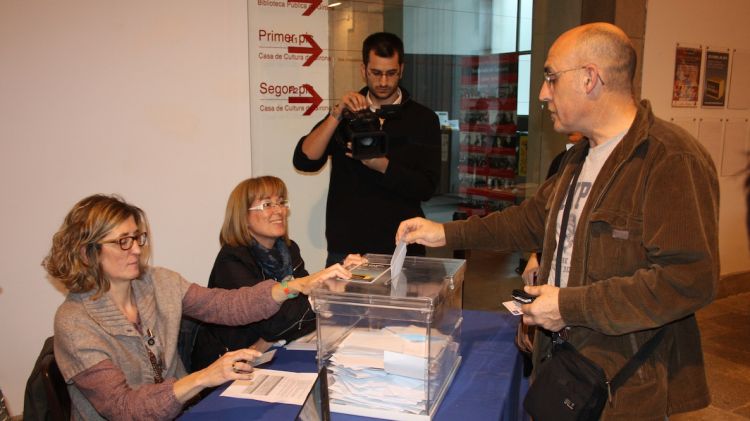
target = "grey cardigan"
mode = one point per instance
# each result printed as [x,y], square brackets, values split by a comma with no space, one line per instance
[89,331]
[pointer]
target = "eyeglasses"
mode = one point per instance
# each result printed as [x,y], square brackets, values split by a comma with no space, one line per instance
[126,243]
[551,78]
[268,205]
[378,74]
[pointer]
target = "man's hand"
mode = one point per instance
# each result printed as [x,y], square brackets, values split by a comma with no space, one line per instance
[379,164]
[421,231]
[354,101]
[545,310]
[315,143]
[531,270]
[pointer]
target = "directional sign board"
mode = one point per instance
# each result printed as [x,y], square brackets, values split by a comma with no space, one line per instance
[289,67]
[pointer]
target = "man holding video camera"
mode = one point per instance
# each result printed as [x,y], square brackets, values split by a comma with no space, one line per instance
[385,156]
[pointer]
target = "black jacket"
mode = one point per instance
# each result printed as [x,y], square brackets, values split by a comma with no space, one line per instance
[364,206]
[46,396]
[236,267]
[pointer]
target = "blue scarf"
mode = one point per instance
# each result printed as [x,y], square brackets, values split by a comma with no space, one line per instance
[276,263]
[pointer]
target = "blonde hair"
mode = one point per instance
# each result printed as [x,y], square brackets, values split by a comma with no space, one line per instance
[234,231]
[73,258]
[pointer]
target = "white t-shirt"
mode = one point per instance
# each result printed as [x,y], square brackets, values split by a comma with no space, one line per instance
[591,167]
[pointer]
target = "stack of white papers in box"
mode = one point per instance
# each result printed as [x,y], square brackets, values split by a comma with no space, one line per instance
[377,389]
[383,369]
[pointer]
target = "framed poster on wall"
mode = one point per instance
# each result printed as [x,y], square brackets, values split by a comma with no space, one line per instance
[687,73]
[715,79]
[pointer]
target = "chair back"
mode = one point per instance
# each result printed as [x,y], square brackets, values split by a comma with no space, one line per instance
[46,397]
[58,398]
[186,341]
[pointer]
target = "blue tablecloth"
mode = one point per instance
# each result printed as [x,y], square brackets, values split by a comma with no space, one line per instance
[489,384]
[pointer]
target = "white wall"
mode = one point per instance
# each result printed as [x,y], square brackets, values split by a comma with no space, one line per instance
[718,23]
[142,98]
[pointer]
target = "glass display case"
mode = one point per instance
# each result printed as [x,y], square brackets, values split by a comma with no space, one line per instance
[391,344]
[488,163]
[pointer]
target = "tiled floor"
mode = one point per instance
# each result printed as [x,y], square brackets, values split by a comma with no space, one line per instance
[725,329]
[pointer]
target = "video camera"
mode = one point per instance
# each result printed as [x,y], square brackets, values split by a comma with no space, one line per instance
[363,131]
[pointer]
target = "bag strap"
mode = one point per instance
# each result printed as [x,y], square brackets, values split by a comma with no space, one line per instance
[635,362]
[565,217]
[645,351]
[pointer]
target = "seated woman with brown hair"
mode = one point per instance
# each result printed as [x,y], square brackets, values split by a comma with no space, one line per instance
[255,247]
[116,332]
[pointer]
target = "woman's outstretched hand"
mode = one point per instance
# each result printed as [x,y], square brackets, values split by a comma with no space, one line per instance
[307,283]
[354,260]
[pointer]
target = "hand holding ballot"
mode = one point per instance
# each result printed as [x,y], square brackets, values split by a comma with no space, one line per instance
[421,231]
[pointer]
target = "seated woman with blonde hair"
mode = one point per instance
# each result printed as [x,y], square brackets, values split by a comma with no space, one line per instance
[255,247]
[116,332]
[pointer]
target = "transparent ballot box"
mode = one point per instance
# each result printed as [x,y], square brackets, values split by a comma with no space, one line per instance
[391,344]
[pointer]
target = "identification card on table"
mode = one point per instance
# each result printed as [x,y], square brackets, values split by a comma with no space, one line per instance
[368,272]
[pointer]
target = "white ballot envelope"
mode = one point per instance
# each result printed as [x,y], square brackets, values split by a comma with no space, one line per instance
[397,260]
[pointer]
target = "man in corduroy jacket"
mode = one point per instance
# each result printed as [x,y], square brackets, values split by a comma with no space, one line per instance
[640,252]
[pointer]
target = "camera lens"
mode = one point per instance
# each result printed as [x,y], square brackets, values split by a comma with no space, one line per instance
[366,141]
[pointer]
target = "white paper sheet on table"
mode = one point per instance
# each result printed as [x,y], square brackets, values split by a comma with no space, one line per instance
[273,386]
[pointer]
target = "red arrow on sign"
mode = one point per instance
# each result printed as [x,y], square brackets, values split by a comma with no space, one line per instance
[313,4]
[314,99]
[314,50]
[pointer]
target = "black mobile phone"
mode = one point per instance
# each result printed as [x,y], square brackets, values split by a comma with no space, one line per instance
[522,297]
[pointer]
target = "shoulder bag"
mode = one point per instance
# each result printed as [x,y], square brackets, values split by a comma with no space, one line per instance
[569,386]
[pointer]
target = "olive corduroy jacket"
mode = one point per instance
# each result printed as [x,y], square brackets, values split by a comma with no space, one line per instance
[645,257]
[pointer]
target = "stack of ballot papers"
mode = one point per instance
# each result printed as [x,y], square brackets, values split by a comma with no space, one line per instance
[384,369]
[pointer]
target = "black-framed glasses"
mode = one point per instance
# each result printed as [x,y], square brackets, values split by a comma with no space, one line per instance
[126,243]
[551,77]
[268,205]
[378,74]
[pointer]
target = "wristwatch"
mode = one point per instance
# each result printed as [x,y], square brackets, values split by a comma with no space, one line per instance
[285,286]
[336,107]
